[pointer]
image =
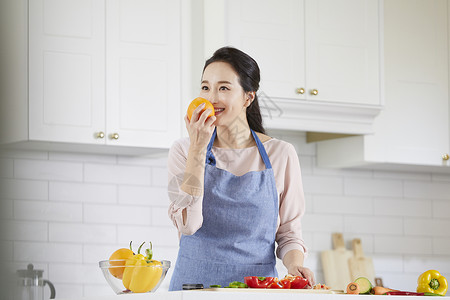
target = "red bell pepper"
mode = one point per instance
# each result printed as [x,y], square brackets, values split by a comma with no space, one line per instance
[297,282]
[258,282]
[281,284]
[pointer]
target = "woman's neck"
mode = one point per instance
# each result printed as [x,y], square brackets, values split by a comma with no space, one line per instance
[234,137]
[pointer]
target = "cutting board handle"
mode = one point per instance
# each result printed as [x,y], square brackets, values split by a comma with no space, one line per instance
[338,241]
[357,248]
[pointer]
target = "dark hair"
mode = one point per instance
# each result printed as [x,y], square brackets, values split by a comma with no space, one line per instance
[248,72]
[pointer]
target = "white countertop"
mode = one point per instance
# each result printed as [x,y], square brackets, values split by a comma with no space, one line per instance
[247,295]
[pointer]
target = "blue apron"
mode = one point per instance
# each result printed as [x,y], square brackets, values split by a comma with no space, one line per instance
[237,237]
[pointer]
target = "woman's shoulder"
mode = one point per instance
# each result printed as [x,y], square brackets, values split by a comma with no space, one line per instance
[180,145]
[276,145]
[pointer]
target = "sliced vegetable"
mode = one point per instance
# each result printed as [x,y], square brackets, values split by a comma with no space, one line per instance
[403,293]
[215,286]
[297,282]
[258,282]
[281,284]
[432,282]
[364,285]
[353,288]
[237,284]
[379,290]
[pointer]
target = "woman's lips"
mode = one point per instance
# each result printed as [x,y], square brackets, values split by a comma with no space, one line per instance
[218,111]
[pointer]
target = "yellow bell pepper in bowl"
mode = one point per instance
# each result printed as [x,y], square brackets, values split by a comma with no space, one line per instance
[141,273]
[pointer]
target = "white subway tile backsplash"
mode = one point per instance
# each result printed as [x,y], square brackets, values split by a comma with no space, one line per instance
[118,174]
[323,185]
[373,187]
[322,223]
[72,209]
[76,273]
[83,192]
[427,190]
[160,217]
[402,207]
[31,154]
[143,195]
[23,189]
[47,252]
[420,264]
[159,177]
[441,246]
[47,211]
[116,214]
[81,233]
[402,245]
[83,157]
[6,167]
[387,263]
[26,231]
[161,236]
[427,227]
[48,170]
[93,252]
[6,209]
[441,209]
[343,205]
[373,224]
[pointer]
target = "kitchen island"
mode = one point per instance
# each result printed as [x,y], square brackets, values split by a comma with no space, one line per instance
[247,295]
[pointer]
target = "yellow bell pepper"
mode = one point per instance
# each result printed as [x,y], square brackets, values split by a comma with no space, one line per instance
[432,282]
[141,273]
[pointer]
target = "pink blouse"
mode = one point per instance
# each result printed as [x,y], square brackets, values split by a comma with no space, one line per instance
[286,168]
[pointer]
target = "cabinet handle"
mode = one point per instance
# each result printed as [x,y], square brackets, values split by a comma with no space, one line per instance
[314,92]
[445,156]
[300,91]
[100,135]
[115,136]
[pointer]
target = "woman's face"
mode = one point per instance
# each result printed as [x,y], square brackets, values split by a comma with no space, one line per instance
[220,85]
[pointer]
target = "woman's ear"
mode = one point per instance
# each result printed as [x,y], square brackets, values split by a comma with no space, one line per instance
[249,97]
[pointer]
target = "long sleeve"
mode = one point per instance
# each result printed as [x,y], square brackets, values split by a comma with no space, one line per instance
[179,199]
[291,204]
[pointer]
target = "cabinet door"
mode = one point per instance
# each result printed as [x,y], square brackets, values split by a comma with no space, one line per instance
[342,51]
[273,34]
[414,128]
[142,72]
[66,70]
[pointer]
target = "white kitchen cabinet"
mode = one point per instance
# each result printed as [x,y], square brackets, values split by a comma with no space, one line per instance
[414,128]
[319,59]
[104,72]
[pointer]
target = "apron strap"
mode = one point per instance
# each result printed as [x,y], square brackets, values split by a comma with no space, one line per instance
[210,159]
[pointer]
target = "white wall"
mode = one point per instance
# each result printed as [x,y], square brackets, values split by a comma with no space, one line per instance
[68,211]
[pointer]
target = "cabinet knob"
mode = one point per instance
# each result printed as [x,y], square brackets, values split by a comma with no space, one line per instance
[300,91]
[100,135]
[445,156]
[314,92]
[115,136]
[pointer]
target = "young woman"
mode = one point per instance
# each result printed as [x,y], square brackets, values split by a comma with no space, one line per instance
[234,191]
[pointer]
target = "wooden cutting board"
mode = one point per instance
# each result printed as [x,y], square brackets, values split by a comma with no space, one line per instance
[335,264]
[360,265]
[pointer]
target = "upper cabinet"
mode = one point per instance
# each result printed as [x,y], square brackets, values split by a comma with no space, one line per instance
[104,72]
[320,60]
[414,128]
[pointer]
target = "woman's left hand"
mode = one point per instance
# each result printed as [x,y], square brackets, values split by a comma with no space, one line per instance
[304,272]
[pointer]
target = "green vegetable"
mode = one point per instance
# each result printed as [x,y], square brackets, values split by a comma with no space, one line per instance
[237,284]
[215,286]
[364,285]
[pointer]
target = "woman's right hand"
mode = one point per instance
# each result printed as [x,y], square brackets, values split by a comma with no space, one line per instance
[200,127]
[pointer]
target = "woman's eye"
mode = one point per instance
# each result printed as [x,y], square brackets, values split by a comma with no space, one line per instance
[224,88]
[205,88]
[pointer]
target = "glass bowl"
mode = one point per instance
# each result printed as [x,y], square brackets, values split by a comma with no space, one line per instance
[139,279]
